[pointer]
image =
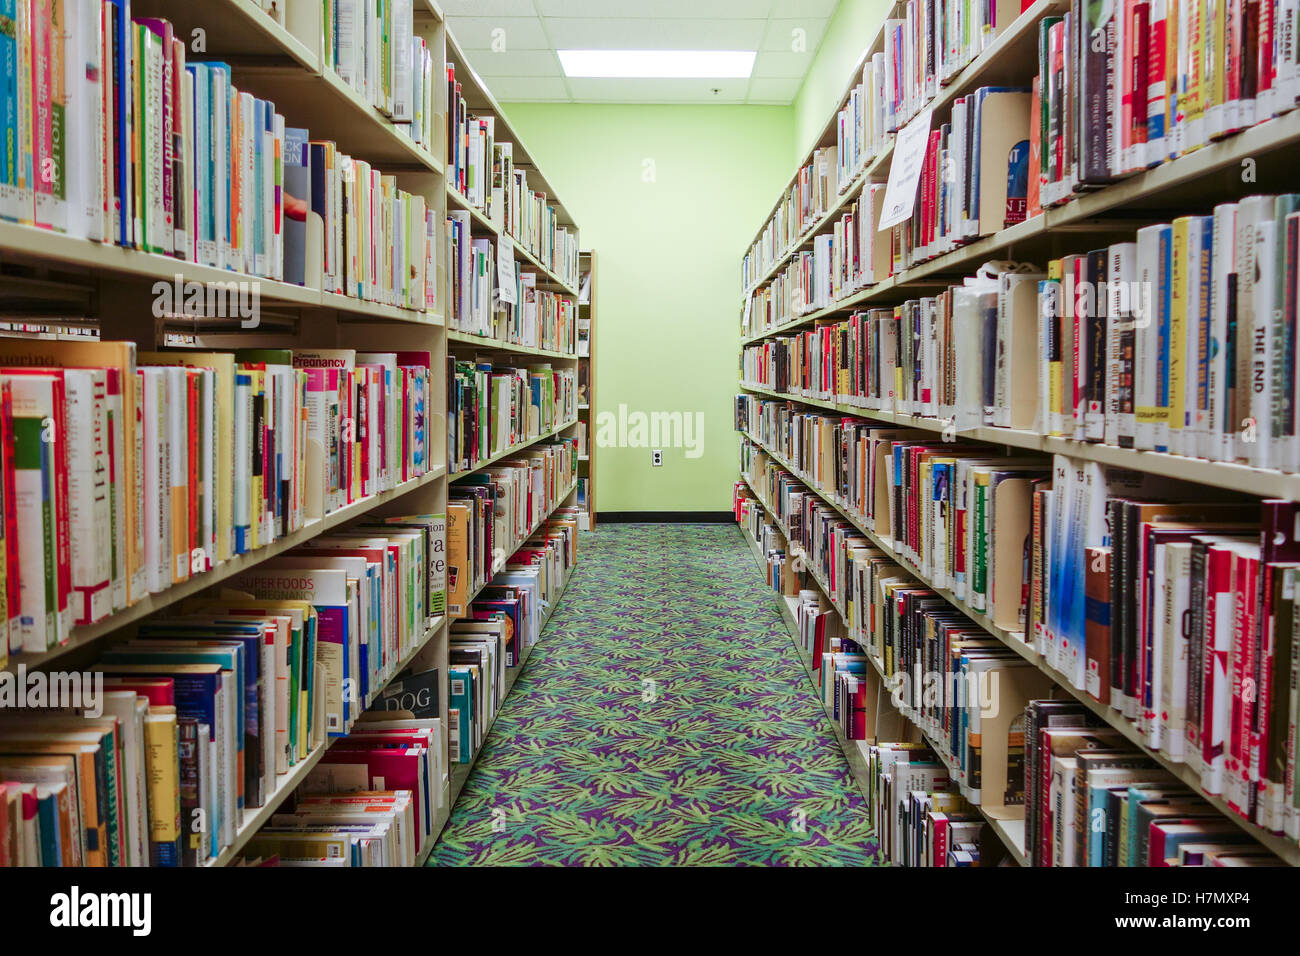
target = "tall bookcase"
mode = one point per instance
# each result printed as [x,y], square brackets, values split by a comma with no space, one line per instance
[1191,183]
[587,377]
[60,285]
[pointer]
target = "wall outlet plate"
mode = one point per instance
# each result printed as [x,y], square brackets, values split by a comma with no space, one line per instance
[657,458]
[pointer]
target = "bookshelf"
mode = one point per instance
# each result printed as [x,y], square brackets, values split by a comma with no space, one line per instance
[587,374]
[282,53]
[1192,182]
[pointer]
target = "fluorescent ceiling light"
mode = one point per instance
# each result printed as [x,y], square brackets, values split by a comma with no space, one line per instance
[658,64]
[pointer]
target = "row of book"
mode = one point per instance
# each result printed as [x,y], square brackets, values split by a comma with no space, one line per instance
[114,137]
[373,48]
[377,794]
[520,314]
[1092,567]
[926,820]
[1091,799]
[1140,344]
[924,47]
[492,513]
[1004,153]
[500,627]
[483,171]
[850,257]
[1121,94]
[964,690]
[373,799]
[493,407]
[125,474]
[205,710]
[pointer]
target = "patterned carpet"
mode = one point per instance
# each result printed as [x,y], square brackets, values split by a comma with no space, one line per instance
[664,719]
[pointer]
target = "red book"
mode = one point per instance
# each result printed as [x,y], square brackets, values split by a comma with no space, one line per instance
[1033,200]
[13,594]
[159,691]
[1245,581]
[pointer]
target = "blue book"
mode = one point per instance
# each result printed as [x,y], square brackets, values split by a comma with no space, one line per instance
[9,112]
[47,813]
[460,698]
[118,27]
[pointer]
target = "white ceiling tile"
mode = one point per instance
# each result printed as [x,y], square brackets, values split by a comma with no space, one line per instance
[780,34]
[663,9]
[515,63]
[487,8]
[527,88]
[774,89]
[586,90]
[628,34]
[782,63]
[803,8]
[520,33]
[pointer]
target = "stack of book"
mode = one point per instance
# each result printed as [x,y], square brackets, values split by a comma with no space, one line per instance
[126,474]
[374,50]
[204,711]
[500,626]
[493,512]
[1120,95]
[116,138]
[491,408]
[482,169]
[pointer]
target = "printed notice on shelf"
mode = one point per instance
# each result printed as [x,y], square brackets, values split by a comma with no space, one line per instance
[506,271]
[905,172]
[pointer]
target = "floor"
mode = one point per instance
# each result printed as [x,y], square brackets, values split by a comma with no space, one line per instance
[664,719]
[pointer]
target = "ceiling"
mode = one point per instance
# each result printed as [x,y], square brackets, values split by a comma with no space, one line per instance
[511,44]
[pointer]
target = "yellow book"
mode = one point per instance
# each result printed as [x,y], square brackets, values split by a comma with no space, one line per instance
[1215,75]
[1173,106]
[162,768]
[1055,374]
[1192,102]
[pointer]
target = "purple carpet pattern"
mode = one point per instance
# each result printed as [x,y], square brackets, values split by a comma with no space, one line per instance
[663,719]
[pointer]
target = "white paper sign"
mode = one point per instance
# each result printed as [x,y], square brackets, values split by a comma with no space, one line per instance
[905,171]
[506,270]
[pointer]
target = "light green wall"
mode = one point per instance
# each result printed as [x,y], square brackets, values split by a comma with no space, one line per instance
[667,284]
[852,28]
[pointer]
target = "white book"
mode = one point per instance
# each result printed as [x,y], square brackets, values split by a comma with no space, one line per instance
[33,407]
[401,45]
[1261,380]
[117,511]
[219,106]
[152,430]
[89,525]
[83,127]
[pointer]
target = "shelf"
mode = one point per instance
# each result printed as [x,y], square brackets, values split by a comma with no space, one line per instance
[512,450]
[496,345]
[460,772]
[456,198]
[1285,848]
[29,244]
[89,634]
[254,819]
[1264,482]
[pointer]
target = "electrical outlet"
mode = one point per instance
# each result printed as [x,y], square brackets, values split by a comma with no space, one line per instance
[657,458]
